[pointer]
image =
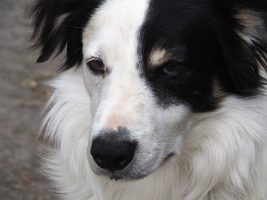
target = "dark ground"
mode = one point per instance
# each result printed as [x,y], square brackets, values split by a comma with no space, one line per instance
[21,99]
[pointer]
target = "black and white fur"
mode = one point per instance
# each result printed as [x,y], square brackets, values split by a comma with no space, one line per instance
[183,78]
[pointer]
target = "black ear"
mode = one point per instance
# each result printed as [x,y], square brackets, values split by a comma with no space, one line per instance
[59,24]
[243,43]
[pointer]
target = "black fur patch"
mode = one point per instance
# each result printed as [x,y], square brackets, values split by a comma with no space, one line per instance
[59,24]
[208,30]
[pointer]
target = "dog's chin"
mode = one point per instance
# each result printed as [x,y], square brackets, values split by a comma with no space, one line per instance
[126,176]
[122,175]
[129,174]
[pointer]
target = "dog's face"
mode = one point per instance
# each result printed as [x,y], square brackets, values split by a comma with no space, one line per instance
[148,66]
[121,87]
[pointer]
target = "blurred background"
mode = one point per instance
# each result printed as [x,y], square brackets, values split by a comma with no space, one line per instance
[21,99]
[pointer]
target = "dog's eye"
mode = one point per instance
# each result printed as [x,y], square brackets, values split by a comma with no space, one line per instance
[169,70]
[172,69]
[96,65]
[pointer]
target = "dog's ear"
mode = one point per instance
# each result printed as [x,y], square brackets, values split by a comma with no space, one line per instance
[243,43]
[58,24]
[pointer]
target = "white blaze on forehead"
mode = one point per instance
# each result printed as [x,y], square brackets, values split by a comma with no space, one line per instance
[112,33]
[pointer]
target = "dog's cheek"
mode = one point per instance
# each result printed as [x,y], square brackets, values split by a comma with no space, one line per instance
[173,123]
[165,137]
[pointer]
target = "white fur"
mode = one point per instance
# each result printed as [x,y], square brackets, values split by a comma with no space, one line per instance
[219,155]
[223,156]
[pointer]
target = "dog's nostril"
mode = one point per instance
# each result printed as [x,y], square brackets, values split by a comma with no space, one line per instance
[111,152]
[121,162]
[98,160]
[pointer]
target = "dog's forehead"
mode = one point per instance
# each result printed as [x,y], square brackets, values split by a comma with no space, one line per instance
[133,29]
[113,30]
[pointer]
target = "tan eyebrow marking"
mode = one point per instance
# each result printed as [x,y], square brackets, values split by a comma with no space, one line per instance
[159,56]
[249,18]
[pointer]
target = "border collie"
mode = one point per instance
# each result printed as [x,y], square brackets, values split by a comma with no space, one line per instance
[156,99]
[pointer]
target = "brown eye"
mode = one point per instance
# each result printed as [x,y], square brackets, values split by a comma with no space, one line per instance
[96,65]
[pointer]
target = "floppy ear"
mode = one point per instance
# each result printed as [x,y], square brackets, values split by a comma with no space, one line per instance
[244,48]
[58,24]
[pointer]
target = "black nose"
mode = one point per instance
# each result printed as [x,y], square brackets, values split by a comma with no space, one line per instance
[113,151]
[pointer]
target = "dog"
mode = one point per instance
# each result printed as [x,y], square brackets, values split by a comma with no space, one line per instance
[156,99]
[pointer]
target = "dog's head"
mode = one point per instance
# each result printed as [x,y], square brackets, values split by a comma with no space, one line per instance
[148,65]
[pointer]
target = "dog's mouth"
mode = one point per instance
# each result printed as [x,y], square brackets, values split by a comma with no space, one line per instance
[129,174]
[168,157]
[123,175]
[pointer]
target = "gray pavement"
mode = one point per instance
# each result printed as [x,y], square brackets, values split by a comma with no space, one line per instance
[21,99]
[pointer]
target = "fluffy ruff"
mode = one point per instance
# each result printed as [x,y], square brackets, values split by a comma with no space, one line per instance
[223,156]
